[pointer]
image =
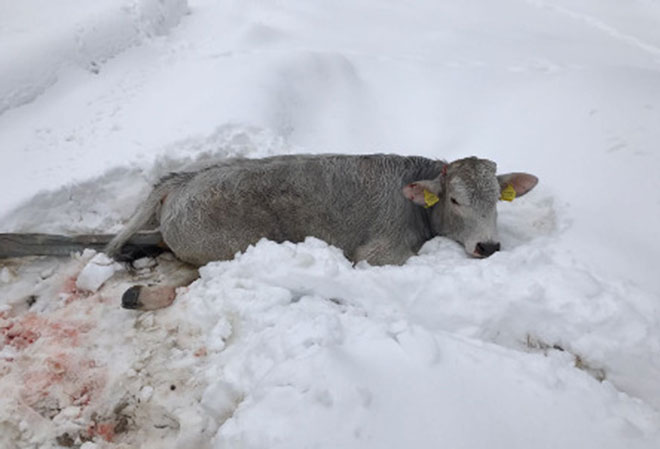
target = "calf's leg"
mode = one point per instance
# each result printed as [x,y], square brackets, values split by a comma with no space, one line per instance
[157,296]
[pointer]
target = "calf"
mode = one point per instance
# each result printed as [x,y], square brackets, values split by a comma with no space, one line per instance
[377,208]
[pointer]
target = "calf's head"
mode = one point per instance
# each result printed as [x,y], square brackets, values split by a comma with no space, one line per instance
[462,201]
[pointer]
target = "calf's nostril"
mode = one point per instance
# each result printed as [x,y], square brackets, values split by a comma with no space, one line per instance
[487,248]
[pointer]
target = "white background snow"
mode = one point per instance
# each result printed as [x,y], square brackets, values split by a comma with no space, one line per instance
[552,342]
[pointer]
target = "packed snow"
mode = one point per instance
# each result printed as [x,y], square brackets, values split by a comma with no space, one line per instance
[552,342]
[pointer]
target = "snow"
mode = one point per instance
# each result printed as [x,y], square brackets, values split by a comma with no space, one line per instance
[552,342]
[37,41]
[99,269]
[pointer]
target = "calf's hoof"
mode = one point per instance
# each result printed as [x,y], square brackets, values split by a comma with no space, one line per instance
[131,298]
[139,297]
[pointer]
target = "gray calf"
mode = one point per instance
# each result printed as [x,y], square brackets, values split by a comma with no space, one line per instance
[378,208]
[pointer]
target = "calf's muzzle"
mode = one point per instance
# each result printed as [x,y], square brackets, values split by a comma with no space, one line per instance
[485,249]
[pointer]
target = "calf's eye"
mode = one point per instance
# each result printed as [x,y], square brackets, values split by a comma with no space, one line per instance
[453,200]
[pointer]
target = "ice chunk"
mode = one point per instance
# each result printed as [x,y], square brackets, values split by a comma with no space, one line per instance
[98,270]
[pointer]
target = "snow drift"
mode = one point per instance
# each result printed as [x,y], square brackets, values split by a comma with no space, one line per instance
[38,39]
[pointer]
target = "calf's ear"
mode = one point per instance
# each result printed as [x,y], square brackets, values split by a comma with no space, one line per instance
[521,183]
[423,193]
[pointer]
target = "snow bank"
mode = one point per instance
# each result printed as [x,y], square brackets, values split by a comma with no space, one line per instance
[39,38]
[396,356]
[291,346]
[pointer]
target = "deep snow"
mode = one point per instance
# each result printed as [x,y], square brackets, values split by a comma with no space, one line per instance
[553,342]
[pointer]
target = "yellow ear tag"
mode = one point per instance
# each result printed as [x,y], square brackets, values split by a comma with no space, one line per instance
[430,198]
[509,193]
